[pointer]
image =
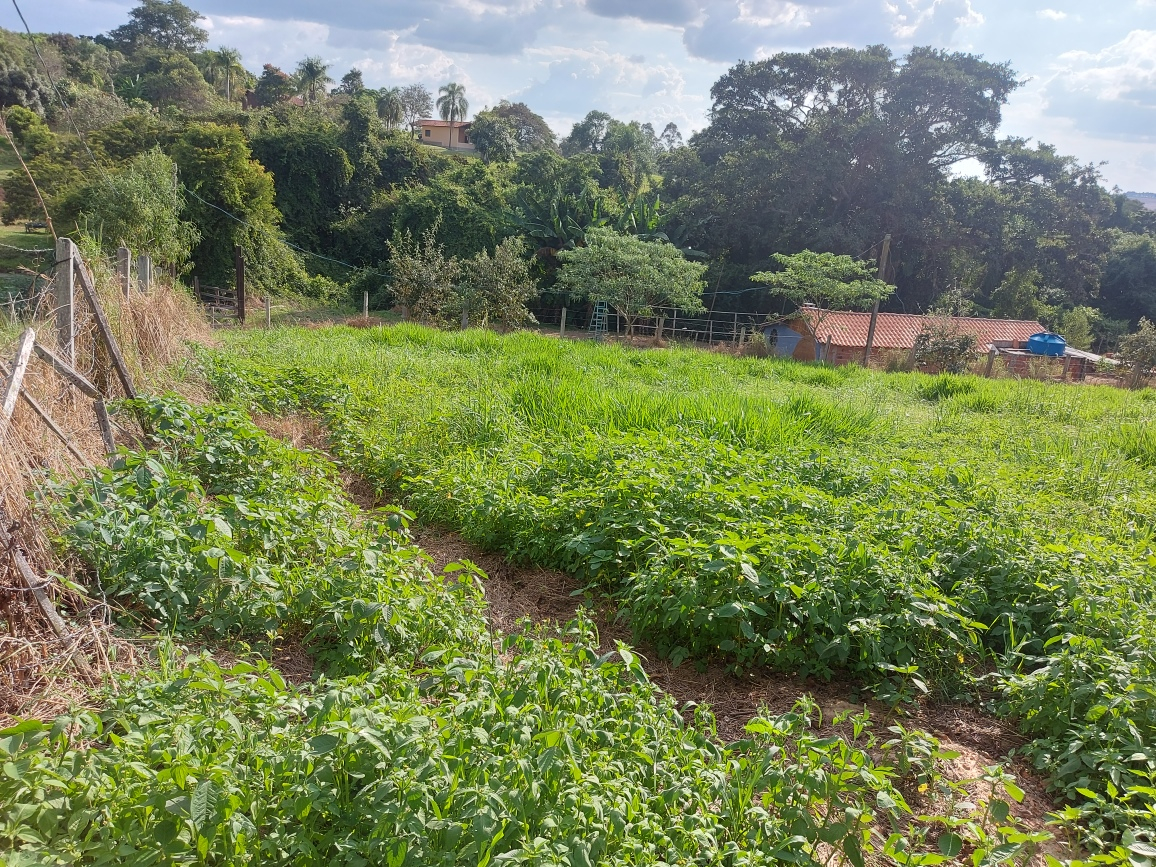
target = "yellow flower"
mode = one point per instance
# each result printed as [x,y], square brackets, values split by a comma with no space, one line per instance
[923,787]
[959,656]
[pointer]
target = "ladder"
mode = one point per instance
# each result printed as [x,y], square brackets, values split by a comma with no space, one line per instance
[597,326]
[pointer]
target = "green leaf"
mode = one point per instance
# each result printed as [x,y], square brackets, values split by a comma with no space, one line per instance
[321,744]
[203,805]
[950,844]
[1016,793]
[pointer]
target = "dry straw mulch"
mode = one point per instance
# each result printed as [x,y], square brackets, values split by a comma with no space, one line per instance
[42,674]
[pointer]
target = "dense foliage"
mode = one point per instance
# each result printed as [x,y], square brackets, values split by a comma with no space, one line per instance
[444,743]
[825,151]
[961,536]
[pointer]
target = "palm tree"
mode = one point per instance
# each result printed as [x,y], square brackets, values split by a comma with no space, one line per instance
[312,76]
[452,103]
[228,60]
[389,106]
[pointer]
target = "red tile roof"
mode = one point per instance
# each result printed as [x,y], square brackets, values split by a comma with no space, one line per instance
[427,122]
[899,330]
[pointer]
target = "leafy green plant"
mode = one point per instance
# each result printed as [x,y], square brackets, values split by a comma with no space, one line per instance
[961,536]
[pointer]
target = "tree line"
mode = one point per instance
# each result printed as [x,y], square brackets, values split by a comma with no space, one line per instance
[824,151]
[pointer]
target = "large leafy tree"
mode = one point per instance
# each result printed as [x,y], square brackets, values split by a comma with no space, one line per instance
[166,24]
[274,86]
[1128,285]
[531,132]
[588,134]
[825,281]
[494,137]
[139,206]
[352,83]
[417,102]
[630,275]
[231,199]
[313,78]
[833,148]
[312,172]
[20,87]
[167,78]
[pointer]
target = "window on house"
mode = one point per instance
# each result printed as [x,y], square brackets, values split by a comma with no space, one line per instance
[427,132]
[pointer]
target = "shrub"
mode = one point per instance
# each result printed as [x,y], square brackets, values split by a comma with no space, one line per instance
[944,348]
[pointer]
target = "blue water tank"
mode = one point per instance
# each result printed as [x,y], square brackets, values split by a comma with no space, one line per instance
[1046,343]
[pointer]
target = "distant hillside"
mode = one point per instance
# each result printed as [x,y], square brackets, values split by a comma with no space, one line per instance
[1148,200]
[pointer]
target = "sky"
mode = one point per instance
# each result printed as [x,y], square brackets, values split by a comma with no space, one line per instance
[1088,68]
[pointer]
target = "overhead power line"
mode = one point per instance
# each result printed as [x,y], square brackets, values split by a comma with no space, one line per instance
[60,96]
[288,244]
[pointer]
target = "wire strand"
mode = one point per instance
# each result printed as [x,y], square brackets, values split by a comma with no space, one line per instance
[288,244]
[60,96]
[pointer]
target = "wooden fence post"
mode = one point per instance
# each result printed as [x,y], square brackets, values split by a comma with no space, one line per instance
[735,336]
[124,270]
[673,322]
[1067,367]
[268,312]
[365,304]
[88,287]
[64,298]
[827,351]
[144,274]
[709,330]
[991,354]
[562,327]
[239,265]
[16,380]
[197,289]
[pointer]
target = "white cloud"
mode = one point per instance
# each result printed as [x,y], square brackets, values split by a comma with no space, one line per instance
[1109,93]
[1051,14]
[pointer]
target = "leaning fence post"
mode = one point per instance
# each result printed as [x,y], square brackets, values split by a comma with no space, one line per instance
[88,286]
[144,274]
[16,380]
[562,327]
[991,354]
[123,270]
[239,265]
[64,297]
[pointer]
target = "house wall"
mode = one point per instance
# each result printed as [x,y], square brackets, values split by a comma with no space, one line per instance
[440,136]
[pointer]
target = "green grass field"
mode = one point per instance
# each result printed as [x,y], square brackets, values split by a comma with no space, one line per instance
[980,540]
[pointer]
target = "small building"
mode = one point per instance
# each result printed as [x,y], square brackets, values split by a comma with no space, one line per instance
[840,337]
[443,133]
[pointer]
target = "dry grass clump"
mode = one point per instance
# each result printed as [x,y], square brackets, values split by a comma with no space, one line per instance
[39,669]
